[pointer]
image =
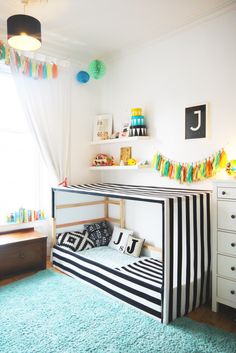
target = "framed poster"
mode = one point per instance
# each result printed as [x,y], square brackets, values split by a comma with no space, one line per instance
[195,122]
[102,127]
[125,154]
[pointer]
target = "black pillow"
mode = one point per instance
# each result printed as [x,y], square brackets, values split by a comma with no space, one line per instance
[75,241]
[100,233]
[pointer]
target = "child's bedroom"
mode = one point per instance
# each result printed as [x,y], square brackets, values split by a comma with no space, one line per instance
[118,176]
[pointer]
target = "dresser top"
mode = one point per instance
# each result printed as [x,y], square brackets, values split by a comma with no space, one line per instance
[229,181]
[19,236]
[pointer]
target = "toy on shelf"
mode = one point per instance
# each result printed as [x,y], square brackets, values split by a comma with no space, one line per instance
[137,128]
[144,163]
[131,161]
[231,168]
[102,159]
[25,216]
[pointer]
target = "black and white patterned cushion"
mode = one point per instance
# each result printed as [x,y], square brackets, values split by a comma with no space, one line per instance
[75,241]
[99,233]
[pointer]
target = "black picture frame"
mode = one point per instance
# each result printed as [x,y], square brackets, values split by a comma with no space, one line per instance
[195,122]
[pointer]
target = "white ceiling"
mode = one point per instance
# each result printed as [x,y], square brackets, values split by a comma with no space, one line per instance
[99,28]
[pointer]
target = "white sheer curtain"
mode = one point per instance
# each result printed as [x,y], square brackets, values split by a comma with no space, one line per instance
[46,104]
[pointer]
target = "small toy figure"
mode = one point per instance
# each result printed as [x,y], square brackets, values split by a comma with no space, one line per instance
[131,161]
[103,160]
[231,168]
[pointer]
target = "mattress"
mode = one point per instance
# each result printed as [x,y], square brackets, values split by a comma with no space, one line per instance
[140,286]
[109,257]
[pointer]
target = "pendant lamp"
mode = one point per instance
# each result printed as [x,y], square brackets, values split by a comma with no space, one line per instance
[24,32]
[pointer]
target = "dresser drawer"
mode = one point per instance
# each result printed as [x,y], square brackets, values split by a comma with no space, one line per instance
[19,257]
[226,266]
[227,243]
[226,289]
[226,193]
[227,215]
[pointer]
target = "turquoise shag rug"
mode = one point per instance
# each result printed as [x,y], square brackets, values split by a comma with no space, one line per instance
[51,313]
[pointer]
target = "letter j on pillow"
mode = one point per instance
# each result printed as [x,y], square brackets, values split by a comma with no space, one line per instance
[119,238]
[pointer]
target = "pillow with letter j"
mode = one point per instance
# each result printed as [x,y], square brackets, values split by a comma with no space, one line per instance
[134,246]
[119,238]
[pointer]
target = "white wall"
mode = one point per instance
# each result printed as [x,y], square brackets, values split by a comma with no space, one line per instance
[193,66]
[84,100]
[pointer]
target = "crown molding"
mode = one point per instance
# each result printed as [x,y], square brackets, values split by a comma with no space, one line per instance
[220,11]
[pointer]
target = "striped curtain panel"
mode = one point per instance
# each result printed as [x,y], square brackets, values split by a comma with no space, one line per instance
[187,255]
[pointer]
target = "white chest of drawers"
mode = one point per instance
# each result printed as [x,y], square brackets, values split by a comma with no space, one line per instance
[224,244]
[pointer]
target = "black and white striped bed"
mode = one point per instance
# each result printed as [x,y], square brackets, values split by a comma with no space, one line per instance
[141,287]
[186,240]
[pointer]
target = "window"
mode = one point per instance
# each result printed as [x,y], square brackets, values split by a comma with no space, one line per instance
[24,181]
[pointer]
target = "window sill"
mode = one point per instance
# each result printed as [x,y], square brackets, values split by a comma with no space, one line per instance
[18,226]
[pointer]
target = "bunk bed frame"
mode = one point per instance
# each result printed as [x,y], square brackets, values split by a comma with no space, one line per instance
[185,249]
[106,202]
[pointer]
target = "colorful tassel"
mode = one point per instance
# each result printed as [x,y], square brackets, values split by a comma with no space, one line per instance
[49,70]
[30,69]
[208,168]
[154,161]
[166,168]
[170,173]
[178,172]
[54,71]
[217,160]
[189,177]
[223,159]
[158,162]
[162,165]
[45,71]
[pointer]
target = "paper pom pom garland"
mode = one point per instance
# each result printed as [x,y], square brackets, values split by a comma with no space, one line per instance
[82,77]
[97,69]
[190,172]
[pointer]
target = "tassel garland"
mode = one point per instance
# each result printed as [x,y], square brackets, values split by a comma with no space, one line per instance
[27,66]
[191,172]
[35,69]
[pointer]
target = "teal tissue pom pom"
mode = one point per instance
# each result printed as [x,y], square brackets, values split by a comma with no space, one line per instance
[97,69]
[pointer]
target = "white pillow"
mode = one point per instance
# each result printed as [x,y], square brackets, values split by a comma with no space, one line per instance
[119,238]
[134,246]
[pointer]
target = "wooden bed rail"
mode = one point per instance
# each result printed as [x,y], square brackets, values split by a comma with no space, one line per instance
[106,202]
[152,248]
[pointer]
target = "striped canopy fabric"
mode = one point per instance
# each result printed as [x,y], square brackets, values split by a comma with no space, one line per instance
[186,240]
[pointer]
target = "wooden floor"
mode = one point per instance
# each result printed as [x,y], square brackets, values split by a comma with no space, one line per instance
[224,319]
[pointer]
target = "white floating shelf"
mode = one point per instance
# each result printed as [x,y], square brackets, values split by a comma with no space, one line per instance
[121,140]
[120,167]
